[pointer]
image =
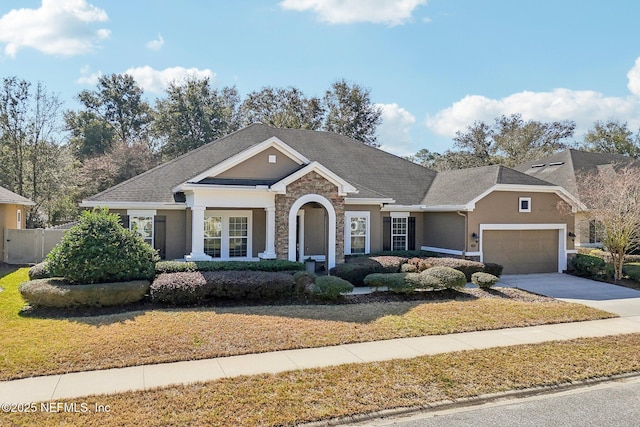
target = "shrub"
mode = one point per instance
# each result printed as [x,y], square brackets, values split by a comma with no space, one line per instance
[390,264]
[39,271]
[98,249]
[198,287]
[484,280]
[404,254]
[175,267]
[492,268]
[401,283]
[408,268]
[184,288]
[331,287]
[465,266]
[59,293]
[445,277]
[587,265]
[357,268]
[266,265]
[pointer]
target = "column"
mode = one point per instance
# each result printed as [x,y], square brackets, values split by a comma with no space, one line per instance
[197,235]
[270,241]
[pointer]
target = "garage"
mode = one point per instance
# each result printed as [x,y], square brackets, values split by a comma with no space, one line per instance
[522,251]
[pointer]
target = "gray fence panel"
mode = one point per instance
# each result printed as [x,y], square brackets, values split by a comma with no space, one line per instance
[29,246]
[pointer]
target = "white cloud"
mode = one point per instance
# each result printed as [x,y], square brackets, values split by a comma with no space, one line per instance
[87,77]
[390,12]
[56,28]
[634,78]
[583,107]
[156,44]
[394,131]
[158,80]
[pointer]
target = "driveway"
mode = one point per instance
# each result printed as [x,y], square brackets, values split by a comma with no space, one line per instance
[622,301]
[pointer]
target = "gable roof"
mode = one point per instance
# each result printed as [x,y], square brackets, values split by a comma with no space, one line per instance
[461,187]
[565,167]
[10,198]
[368,169]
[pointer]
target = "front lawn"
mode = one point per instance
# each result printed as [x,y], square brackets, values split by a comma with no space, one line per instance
[31,346]
[295,397]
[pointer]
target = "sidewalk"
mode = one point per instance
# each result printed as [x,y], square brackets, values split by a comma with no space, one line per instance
[80,384]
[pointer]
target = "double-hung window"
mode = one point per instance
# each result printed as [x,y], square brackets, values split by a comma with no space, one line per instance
[399,233]
[227,234]
[357,232]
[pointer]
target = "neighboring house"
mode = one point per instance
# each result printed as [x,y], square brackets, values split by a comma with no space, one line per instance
[565,169]
[265,193]
[12,213]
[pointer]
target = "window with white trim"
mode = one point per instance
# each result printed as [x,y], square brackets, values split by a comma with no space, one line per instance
[524,204]
[399,232]
[142,223]
[357,236]
[19,219]
[227,234]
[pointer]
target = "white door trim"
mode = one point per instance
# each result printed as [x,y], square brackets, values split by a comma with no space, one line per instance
[293,213]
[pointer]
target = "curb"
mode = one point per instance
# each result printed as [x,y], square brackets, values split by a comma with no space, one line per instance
[466,402]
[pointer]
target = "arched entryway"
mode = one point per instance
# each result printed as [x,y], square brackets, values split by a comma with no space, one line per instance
[330,232]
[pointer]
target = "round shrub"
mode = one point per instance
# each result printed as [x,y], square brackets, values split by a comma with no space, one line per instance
[303,279]
[408,268]
[98,249]
[331,287]
[58,293]
[445,277]
[484,280]
[587,265]
[39,271]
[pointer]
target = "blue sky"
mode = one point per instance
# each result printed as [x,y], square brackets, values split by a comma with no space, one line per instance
[434,66]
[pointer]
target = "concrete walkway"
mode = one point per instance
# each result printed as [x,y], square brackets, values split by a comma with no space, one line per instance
[81,384]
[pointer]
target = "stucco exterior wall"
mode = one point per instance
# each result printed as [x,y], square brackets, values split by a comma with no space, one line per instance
[444,230]
[501,207]
[311,183]
[258,166]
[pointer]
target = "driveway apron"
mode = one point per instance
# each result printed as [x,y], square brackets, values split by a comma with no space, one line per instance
[616,299]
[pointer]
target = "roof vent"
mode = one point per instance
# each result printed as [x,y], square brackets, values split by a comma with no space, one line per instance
[540,165]
[556,163]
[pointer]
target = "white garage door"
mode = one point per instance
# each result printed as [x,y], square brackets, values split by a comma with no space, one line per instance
[522,251]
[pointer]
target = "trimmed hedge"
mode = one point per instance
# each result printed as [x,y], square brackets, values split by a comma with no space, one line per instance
[445,277]
[304,280]
[484,280]
[587,265]
[356,269]
[331,287]
[197,287]
[39,271]
[266,265]
[494,269]
[175,267]
[59,293]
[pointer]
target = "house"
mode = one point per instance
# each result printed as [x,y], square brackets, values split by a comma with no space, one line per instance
[12,213]
[266,193]
[565,169]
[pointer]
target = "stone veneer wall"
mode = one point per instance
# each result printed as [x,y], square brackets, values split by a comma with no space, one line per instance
[311,183]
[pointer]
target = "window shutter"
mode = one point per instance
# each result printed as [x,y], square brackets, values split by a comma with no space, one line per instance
[386,233]
[124,220]
[411,233]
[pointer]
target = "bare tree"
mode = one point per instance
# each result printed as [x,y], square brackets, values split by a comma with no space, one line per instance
[612,196]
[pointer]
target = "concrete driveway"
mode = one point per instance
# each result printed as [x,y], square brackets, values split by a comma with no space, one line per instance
[622,301]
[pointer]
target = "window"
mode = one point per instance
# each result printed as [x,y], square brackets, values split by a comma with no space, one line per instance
[213,236]
[19,219]
[142,223]
[399,233]
[227,234]
[357,232]
[595,232]
[524,204]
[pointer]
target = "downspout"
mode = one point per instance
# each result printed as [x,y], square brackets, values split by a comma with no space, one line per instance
[464,249]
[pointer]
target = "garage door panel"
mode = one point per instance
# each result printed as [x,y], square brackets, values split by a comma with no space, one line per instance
[522,251]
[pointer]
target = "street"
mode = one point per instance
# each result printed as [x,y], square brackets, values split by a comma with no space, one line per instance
[611,404]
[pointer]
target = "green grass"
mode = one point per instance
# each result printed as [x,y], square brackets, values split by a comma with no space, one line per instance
[295,397]
[32,346]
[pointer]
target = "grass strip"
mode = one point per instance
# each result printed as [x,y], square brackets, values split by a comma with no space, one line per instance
[316,394]
[41,346]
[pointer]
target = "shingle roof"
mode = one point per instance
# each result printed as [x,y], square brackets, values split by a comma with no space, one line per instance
[373,172]
[10,198]
[459,187]
[565,167]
